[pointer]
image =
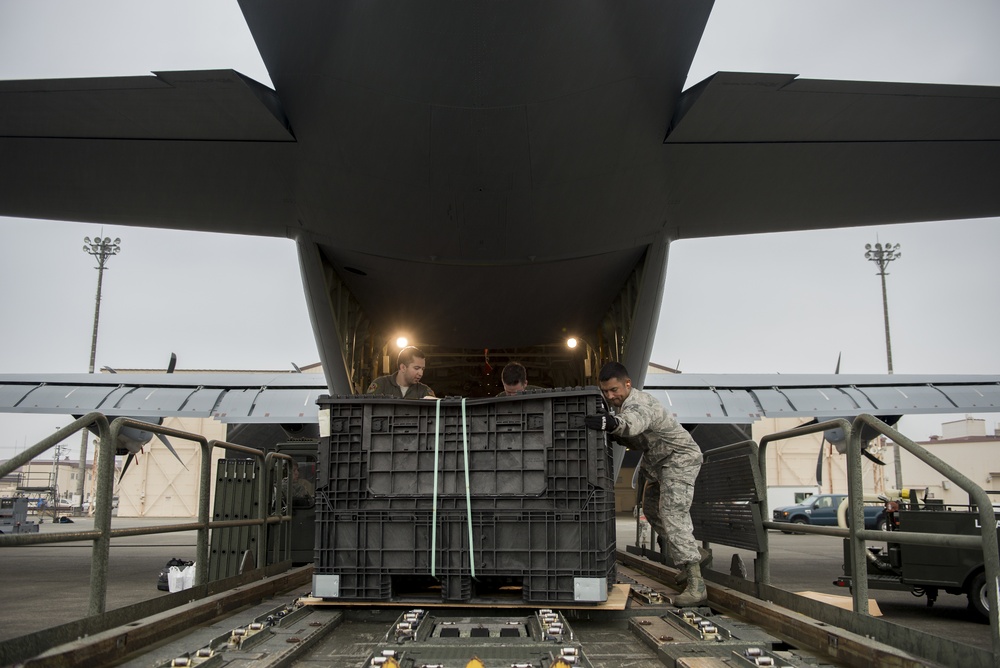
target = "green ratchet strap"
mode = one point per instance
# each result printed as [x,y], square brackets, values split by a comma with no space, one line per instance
[468,495]
[434,503]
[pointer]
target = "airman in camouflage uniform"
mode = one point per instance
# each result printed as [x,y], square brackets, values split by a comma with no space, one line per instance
[405,383]
[515,380]
[671,461]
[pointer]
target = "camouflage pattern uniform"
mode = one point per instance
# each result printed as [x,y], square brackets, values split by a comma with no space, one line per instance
[387,385]
[671,461]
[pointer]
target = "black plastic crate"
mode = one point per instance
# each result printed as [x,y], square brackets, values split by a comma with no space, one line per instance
[381,554]
[540,498]
[533,445]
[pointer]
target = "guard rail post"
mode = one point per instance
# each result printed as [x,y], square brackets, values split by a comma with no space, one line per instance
[987,519]
[855,495]
[762,465]
[271,461]
[103,495]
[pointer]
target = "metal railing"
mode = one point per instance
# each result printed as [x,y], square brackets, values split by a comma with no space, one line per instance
[987,539]
[274,468]
[762,565]
[755,498]
[859,536]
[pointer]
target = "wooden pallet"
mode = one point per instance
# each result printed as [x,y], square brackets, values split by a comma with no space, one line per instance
[617,599]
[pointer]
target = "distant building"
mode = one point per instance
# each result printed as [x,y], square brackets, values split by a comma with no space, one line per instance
[792,464]
[964,445]
[49,479]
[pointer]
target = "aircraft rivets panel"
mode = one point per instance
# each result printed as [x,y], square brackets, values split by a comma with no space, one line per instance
[708,406]
[59,398]
[202,400]
[739,404]
[690,403]
[159,399]
[11,395]
[295,405]
[859,398]
[975,396]
[819,399]
[773,401]
[908,398]
[236,404]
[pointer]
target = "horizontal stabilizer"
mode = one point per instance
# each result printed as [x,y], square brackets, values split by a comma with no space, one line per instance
[212,105]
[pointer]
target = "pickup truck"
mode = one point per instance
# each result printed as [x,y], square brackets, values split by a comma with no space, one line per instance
[821,510]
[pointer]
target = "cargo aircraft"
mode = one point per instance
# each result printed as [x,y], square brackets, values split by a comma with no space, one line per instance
[490,179]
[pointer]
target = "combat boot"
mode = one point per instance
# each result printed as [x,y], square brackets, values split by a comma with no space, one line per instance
[695,592]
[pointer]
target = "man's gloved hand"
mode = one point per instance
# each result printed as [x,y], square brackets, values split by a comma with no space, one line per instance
[601,422]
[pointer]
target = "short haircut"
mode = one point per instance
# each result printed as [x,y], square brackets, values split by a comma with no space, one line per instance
[514,373]
[613,370]
[408,354]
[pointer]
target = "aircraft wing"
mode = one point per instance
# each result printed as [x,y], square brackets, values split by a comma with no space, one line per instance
[176,149]
[774,144]
[743,153]
[290,398]
[745,398]
[287,398]
[779,153]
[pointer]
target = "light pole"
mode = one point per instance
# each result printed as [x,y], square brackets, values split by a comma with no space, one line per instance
[102,250]
[882,255]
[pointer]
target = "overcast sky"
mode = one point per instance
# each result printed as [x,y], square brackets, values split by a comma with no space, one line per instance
[785,303]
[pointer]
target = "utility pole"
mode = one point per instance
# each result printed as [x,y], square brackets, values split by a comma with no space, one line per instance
[882,255]
[102,250]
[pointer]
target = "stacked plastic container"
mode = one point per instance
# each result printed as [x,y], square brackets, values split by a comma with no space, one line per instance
[468,495]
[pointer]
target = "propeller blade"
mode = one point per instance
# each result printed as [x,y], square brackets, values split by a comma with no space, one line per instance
[872,457]
[172,363]
[819,463]
[128,460]
[163,439]
[837,370]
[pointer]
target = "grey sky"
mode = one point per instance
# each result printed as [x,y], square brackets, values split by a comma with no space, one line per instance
[787,303]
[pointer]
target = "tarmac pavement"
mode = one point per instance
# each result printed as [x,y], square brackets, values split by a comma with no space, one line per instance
[808,562]
[48,585]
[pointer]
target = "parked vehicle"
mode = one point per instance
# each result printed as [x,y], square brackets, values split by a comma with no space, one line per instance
[822,509]
[924,569]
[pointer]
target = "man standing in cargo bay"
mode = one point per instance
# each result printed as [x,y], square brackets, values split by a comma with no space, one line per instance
[670,459]
[405,383]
